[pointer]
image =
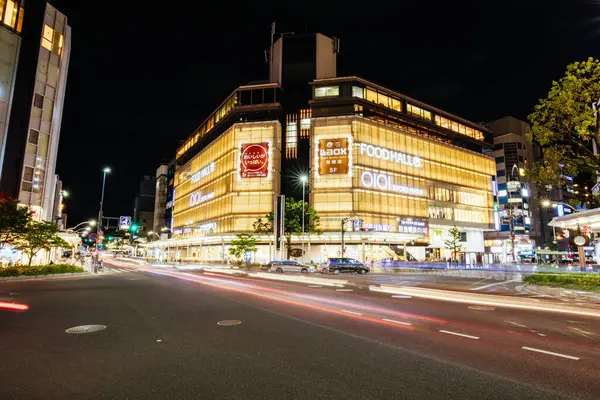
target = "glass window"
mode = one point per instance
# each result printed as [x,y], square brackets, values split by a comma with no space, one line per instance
[418,112]
[325,91]
[26,187]
[10,14]
[358,92]
[28,174]
[38,100]
[371,95]
[498,146]
[499,160]
[519,145]
[20,20]
[33,136]
[502,172]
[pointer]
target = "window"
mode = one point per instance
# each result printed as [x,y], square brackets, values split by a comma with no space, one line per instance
[519,145]
[26,187]
[47,35]
[463,236]
[499,160]
[38,100]
[325,91]
[418,112]
[357,92]
[459,128]
[28,174]
[501,172]
[33,136]
[498,146]
[10,15]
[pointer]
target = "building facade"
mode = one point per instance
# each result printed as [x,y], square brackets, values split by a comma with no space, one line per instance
[143,205]
[160,198]
[401,172]
[35,101]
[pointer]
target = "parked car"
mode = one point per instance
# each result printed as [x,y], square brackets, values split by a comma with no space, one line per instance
[337,265]
[290,266]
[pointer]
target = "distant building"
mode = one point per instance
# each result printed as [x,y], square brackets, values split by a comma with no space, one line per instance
[160,198]
[35,47]
[143,207]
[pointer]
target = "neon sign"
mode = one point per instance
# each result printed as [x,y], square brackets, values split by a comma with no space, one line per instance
[210,168]
[197,198]
[384,182]
[390,155]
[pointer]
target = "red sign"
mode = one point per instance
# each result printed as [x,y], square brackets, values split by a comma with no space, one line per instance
[254,160]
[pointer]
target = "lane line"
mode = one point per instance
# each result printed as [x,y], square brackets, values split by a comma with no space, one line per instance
[396,322]
[550,353]
[351,312]
[495,284]
[344,290]
[459,334]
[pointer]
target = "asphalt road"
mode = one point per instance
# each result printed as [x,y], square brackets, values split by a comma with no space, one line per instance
[294,342]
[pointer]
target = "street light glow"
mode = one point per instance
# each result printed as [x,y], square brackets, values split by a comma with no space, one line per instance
[92,222]
[303,178]
[107,170]
[545,203]
[65,193]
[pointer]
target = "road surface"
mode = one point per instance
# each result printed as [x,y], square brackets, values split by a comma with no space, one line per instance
[162,341]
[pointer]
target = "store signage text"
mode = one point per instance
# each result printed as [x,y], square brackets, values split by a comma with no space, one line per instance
[197,198]
[413,225]
[209,226]
[333,156]
[254,160]
[378,227]
[196,176]
[390,155]
[384,182]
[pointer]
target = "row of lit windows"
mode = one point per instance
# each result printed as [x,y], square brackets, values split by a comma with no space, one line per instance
[460,215]
[459,128]
[225,109]
[459,197]
[52,40]
[11,14]
[418,112]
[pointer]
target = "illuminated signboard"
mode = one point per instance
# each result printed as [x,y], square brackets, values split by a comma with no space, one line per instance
[254,160]
[196,176]
[384,182]
[333,156]
[197,198]
[413,225]
[378,227]
[209,226]
[390,155]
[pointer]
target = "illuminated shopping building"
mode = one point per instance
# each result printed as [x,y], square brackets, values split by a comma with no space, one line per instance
[402,173]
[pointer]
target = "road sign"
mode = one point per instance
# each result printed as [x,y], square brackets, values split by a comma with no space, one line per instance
[124,223]
[92,236]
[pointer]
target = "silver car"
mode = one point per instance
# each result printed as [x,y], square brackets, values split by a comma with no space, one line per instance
[291,266]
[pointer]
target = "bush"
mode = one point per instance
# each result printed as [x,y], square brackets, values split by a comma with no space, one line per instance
[567,280]
[36,270]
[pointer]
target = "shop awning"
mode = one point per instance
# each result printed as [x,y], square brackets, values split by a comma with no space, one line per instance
[589,218]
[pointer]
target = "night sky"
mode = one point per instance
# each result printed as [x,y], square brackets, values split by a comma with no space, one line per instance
[144,75]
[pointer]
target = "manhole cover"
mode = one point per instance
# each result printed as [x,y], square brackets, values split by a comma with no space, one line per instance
[481,308]
[229,322]
[86,329]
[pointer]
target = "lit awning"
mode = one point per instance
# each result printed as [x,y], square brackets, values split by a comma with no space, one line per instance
[589,218]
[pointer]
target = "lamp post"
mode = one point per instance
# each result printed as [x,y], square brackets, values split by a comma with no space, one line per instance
[303,179]
[90,222]
[99,226]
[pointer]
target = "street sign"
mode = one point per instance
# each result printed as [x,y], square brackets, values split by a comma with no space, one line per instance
[92,236]
[124,223]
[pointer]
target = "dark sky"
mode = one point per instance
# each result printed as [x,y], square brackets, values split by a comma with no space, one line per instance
[144,75]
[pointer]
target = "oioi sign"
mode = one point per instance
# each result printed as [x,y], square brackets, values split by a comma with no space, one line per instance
[384,182]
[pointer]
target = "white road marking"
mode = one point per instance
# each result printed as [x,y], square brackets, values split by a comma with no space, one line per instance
[541,334]
[396,322]
[550,353]
[459,334]
[495,284]
[315,286]
[400,296]
[351,312]
[343,290]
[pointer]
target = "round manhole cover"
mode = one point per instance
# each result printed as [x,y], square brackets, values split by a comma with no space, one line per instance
[229,322]
[481,308]
[86,329]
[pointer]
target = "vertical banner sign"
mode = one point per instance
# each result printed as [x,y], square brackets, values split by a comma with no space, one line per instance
[254,160]
[333,156]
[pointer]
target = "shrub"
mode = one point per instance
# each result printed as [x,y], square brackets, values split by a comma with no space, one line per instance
[569,280]
[35,270]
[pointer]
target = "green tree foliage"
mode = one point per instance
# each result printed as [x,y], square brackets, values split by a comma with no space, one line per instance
[242,244]
[40,236]
[292,220]
[564,125]
[453,242]
[13,220]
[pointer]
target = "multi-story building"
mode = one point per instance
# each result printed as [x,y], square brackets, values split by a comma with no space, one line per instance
[160,198]
[404,172]
[143,205]
[35,44]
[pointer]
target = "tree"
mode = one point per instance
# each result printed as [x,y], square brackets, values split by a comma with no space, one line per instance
[13,220]
[40,236]
[564,125]
[242,244]
[292,220]
[453,243]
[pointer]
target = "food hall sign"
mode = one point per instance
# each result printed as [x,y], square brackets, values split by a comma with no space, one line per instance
[254,160]
[390,155]
[333,156]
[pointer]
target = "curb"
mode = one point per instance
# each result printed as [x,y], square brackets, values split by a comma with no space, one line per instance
[43,277]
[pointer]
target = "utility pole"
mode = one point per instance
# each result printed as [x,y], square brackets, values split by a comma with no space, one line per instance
[344,220]
[282,227]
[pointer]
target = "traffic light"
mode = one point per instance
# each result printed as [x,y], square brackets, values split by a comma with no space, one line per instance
[110,238]
[134,228]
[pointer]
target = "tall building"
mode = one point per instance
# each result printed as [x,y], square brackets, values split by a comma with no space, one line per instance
[160,198]
[402,171]
[143,207]
[35,44]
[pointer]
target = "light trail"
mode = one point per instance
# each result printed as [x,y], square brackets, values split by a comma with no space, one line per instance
[13,306]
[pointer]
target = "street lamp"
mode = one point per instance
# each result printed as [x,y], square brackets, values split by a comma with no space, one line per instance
[303,179]
[152,233]
[90,222]
[105,171]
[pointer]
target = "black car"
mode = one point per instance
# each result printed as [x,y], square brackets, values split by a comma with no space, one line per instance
[337,265]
